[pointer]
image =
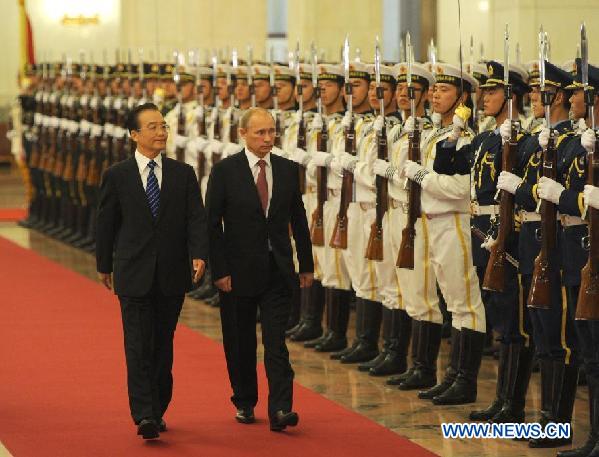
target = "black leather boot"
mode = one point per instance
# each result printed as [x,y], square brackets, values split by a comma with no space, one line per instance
[415,334]
[386,334]
[396,359]
[338,320]
[296,304]
[463,390]
[518,371]
[591,447]
[368,338]
[312,325]
[553,378]
[450,373]
[312,343]
[424,374]
[502,371]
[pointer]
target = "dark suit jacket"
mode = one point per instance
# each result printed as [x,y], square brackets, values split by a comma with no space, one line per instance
[145,248]
[239,230]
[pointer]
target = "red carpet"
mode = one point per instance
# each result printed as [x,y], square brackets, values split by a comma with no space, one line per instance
[62,383]
[12,214]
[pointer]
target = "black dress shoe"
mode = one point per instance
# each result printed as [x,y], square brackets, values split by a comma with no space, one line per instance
[148,429]
[245,416]
[161,426]
[283,420]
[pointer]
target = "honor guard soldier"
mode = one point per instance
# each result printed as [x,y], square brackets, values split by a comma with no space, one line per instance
[482,122]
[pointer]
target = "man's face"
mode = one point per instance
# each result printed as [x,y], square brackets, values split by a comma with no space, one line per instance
[403,99]
[359,91]
[260,133]
[261,90]
[329,92]
[307,90]
[152,133]
[206,90]
[187,91]
[388,94]
[493,98]
[578,108]
[537,103]
[242,91]
[170,88]
[223,90]
[444,97]
[151,85]
[284,91]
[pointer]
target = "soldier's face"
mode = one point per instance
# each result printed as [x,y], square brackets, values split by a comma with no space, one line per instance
[537,103]
[285,91]
[187,91]
[206,90]
[330,92]
[307,90]
[261,90]
[388,94]
[259,135]
[577,108]
[223,92]
[403,99]
[493,100]
[114,86]
[242,90]
[151,85]
[359,91]
[170,88]
[444,97]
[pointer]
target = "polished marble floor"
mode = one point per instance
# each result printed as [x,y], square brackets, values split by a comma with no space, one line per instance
[401,412]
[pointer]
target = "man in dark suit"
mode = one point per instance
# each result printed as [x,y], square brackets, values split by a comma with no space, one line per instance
[151,216]
[253,199]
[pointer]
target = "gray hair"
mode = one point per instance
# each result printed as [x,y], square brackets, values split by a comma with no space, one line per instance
[244,121]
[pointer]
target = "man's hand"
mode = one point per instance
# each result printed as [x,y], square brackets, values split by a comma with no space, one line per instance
[199,266]
[106,279]
[224,284]
[306,279]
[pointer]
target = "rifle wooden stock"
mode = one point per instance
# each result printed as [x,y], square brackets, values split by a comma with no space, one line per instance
[301,143]
[588,296]
[180,152]
[494,279]
[540,290]
[217,136]
[317,226]
[277,142]
[339,237]
[201,158]
[374,248]
[405,257]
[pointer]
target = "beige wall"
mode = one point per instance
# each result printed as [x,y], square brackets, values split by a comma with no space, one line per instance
[561,19]
[326,22]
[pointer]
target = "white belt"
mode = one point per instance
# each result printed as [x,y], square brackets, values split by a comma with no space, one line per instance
[487,210]
[399,204]
[365,206]
[527,216]
[334,192]
[569,221]
[433,216]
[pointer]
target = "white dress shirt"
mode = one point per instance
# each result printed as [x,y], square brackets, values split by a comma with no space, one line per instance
[144,170]
[253,160]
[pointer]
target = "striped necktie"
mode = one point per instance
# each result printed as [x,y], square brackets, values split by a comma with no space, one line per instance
[152,190]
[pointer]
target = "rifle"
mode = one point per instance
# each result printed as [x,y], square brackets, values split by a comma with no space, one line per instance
[301,127]
[405,257]
[588,296]
[317,226]
[93,172]
[216,133]
[231,89]
[494,279]
[179,151]
[339,237]
[540,291]
[201,121]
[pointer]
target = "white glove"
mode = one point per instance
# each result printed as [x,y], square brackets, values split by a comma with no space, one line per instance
[321,159]
[336,166]
[346,121]
[505,130]
[379,123]
[300,156]
[37,119]
[96,130]
[118,103]
[46,120]
[591,196]
[317,122]
[231,148]
[157,98]
[409,124]
[84,126]
[200,143]
[384,169]
[587,140]
[348,161]
[544,135]
[297,117]
[214,114]
[107,102]
[458,124]
[414,172]
[108,129]
[549,190]
[119,132]
[581,125]
[216,146]
[508,181]
[488,243]
[437,119]
[73,127]
[11,134]
[278,151]
[64,123]
[55,122]
[181,141]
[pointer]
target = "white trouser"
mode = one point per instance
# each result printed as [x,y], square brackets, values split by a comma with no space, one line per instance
[420,296]
[362,272]
[451,257]
[334,270]
[387,274]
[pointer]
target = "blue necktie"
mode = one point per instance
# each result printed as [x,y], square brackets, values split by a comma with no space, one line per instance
[152,190]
